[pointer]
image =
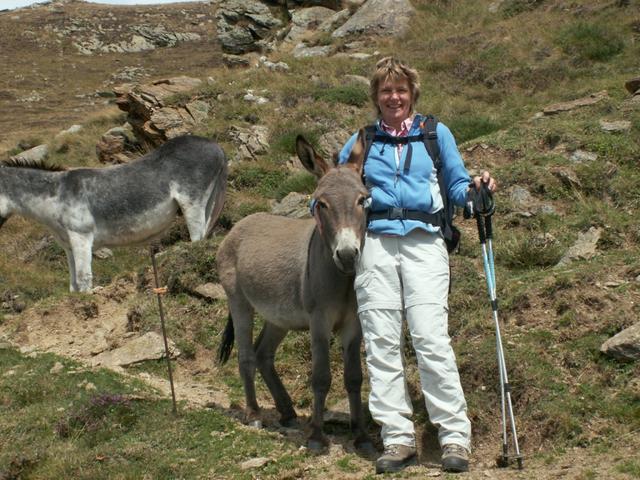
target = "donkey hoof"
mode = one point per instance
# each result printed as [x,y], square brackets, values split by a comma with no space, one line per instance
[257,424]
[316,446]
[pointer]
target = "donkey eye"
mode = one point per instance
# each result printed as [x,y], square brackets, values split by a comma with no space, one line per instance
[322,204]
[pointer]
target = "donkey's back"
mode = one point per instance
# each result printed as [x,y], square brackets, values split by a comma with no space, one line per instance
[272,263]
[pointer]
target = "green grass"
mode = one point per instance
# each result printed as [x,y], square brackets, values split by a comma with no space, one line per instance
[52,426]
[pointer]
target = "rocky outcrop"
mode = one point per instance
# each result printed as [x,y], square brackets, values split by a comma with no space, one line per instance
[155,120]
[378,17]
[245,26]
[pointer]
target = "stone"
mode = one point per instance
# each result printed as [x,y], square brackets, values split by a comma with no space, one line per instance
[580,102]
[301,50]
[378,17]
[243,24]
[35,154]
[294,205]
[306,20]
[254,463]
[72,129]
[584,248]
[617,126]
[252,141]
[581,156]
[149,346]
[625,345]
[211,291]
[633,85]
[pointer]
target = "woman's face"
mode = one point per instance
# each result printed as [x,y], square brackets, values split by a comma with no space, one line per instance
[394,101]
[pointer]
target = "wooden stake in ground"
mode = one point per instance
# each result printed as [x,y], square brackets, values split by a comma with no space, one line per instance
[159,291]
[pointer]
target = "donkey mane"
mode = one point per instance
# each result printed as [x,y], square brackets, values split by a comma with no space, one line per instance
[16,162]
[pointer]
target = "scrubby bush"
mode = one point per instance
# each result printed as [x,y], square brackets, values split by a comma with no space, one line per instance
[590,41]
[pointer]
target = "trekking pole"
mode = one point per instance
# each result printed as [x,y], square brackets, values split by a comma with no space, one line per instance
[482,207]
[159,292]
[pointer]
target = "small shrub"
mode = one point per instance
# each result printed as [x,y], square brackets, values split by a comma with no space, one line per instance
[468,127]
[264,181]
[590,41]
[511,8]
[302,182]
[354,95]
[529,252]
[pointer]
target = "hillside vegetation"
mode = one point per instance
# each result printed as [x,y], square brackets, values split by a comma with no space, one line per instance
[488,70]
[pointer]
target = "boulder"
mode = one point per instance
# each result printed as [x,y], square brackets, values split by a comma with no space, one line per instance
[584,248]
[378,17]
[245,26]
[153,120]
[633,85]
[252,141]
[33,155]
[305,20]
[625,345]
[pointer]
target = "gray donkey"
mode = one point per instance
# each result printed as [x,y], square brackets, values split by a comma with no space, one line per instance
[298,274]
[119,205]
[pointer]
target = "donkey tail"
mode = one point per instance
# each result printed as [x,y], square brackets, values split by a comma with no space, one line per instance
[216,200]
[228,337]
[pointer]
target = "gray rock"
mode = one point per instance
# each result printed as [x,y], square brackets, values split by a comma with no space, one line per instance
[252,141]
[211,291]
[242,23]
[615,126]
[254,463]
[625,345]
[35,154]
[274,66]
[150,346]
[584,248]
[581,156]
[294,205]
[235,61]
[580,102]
[303,51]
[305,20]
[378,17]
[521,197]
[71,130]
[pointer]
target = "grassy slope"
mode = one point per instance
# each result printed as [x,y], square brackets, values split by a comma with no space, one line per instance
[485,75]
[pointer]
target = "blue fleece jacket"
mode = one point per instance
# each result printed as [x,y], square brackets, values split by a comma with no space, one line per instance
[416,188]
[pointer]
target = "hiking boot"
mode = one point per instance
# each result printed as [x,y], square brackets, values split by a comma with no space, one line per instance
[455,458]
[395,458]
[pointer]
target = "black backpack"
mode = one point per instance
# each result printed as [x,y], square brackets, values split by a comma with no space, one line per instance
[443,218]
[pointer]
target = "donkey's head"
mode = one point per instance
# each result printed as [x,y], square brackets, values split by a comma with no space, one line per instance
[339,202]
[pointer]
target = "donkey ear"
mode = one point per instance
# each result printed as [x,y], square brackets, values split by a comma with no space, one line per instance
[310,159]
[356,157]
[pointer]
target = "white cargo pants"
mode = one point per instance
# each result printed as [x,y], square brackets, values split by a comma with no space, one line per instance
[409,275]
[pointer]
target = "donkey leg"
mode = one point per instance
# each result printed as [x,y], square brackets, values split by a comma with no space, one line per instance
[81,251]
[265,347]
[194,216]
[73,283]
[242,315]
[351,342]
[320,381]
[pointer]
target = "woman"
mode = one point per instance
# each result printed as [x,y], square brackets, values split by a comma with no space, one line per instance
[403,272]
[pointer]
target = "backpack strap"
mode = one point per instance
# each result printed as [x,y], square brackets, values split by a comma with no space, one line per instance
[430,139]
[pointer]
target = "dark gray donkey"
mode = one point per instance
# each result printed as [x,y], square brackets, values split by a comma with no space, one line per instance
[298,274]
[119,205]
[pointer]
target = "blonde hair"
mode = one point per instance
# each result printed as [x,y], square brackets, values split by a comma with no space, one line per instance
[391,68]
